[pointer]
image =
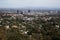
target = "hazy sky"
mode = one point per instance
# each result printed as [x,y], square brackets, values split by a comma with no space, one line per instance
[29,3]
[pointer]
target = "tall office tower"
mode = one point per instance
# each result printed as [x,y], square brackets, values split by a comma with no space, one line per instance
[17,11]
[29,11]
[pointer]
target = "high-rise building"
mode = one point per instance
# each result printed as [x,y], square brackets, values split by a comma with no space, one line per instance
[17,11]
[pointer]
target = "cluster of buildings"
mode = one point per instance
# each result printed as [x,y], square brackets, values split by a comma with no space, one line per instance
[29,15]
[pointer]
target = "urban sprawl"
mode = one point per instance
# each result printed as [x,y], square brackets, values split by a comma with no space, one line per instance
[29,24]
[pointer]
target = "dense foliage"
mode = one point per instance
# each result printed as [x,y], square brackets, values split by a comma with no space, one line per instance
[36,29]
